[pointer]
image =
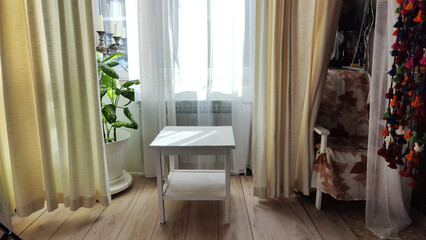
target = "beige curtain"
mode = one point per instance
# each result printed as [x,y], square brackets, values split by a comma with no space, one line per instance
[293,46]
[51,140]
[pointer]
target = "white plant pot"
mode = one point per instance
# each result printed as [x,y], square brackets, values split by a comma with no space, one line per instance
[119,179]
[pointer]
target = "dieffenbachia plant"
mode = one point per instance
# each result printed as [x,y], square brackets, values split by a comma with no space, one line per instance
[109,109]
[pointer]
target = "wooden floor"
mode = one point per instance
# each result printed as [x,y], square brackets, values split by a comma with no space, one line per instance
[133,214]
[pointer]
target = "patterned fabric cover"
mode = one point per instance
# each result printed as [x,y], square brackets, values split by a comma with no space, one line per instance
[341,170]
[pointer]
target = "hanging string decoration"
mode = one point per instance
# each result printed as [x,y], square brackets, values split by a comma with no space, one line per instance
[404,132]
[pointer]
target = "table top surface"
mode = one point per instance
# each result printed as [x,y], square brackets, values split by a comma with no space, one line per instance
[194,136]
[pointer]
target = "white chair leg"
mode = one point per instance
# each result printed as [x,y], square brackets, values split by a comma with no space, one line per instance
[318,199]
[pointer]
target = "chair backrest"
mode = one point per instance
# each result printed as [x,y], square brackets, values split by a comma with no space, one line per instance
[344,106]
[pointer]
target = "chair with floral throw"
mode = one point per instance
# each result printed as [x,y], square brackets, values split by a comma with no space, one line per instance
[341,161]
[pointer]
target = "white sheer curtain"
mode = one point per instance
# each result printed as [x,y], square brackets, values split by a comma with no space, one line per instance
[157,50]
[204,70]
[50,124]
[388,194]
[214,39]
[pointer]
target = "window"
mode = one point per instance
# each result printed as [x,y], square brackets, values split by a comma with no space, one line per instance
[211,44]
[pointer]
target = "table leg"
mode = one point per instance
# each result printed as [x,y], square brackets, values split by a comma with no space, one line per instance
[160,187]
[227,185]
[167,169]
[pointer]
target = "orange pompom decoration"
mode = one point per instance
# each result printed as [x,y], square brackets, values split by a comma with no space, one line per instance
[419,18]
[394,102]
[395,33]
[400,1]
[408,134]
[416,103]
[411,156]
[385,131]
[409,6]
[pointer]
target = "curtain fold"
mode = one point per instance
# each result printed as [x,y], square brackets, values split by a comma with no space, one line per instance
[49,113]
[388,194]
[157,48]
[6,189]
[293,45]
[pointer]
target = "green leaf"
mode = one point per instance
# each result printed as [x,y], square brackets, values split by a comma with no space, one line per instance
[102,92]
[113,64]
[111,93]
[132,123]
[128,93]
[109,112]
[125,69]
[130,83]
[110,83]
[401,70]
[112,56]
[108,71]
[120,124]
[129,115]
[109,140]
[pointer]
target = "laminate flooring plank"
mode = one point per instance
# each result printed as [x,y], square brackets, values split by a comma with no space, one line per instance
[203,221]
[47,224]
[177,213]
[417,229]
[329,224]
[112,220]
[78,224]
[143,217]
[240,224]
[277,219]
[20,224]
[353,213]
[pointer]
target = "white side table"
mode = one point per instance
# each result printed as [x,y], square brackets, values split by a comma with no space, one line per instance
[194,184]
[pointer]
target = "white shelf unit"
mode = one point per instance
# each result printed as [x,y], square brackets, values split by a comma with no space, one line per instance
[194,184]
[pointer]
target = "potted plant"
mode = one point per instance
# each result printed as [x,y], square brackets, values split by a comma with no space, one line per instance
[115,140]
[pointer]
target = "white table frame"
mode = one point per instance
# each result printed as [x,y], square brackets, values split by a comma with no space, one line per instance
[165,191]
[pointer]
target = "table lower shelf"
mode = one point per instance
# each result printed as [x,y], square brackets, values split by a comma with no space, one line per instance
[195,185]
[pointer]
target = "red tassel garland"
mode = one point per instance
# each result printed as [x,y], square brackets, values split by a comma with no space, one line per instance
[389,95]
[423,61]
[406,172]
[409,64]
[396,45]
[406,109]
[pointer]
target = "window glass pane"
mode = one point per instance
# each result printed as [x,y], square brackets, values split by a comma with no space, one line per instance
[192,47]
[211,47]
[227,38]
